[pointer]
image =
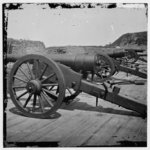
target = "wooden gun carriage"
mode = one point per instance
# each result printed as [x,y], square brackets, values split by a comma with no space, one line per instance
[38,84]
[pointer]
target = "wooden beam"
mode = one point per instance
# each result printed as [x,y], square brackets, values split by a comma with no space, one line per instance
[113,97]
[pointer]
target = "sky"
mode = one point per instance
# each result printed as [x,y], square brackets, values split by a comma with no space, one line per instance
[63,27]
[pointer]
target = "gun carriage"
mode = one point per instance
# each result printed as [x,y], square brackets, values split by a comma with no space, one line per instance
[46,81]
[127,61]
[127,56]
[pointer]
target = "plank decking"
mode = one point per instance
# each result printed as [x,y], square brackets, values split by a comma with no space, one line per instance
[81,124]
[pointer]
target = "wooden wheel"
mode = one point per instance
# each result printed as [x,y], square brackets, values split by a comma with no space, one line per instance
[104,69]
[30,80]
[131,57]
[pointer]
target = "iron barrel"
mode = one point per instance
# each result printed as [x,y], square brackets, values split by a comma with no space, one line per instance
[77,62]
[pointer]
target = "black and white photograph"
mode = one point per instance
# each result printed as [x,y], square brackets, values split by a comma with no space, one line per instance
[74,74]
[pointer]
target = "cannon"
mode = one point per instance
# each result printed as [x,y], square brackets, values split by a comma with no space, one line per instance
[100,65]
[126,61]
[127,56]
[39,84]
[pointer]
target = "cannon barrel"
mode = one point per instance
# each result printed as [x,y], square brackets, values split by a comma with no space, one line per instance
[72,59]
[117,54]
[141,55]
[124,53]
[76,62]
[134,50]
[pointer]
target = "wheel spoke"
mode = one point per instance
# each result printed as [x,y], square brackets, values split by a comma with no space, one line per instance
[17,86]
[51,88]
[57,91]
[41,104]
[50,84]
[30,71]
[50,76]
[22,95]
[47,99]
[20,68]
[34,102]
[105,65]
[108,70]
[36,65]
[40,76]
[28,99]
[69,91]
[99,75]
[53,96]
[20,79]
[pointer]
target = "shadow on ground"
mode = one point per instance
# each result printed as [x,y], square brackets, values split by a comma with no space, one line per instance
[77,105]
[14,110]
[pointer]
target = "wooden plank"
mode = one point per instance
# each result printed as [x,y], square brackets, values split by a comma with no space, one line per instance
[41,125]
[83,132]
[42,132]
[110,131]
[69,133]
[130,132]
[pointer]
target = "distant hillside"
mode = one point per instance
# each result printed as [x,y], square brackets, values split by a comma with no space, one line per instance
[24,46]
[131,40]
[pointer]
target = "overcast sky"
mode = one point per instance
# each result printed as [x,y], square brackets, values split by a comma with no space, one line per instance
[62,27]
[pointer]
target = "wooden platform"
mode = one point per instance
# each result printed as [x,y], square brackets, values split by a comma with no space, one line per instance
[81,124]
[77,124]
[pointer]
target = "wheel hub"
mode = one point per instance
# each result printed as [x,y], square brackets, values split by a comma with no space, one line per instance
[34,86]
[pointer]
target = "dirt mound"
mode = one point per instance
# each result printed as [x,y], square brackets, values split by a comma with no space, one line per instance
[24,46]
[138,39]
